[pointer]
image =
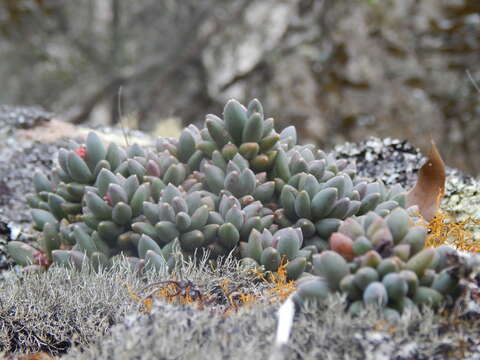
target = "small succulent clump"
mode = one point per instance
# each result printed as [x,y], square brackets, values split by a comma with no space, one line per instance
[236,186]
[202,220]
[384,262]
[243,131]
[282,248]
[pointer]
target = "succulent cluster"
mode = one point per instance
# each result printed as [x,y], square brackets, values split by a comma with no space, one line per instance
[382,261]
[283,248]
[201,220]
[235,186]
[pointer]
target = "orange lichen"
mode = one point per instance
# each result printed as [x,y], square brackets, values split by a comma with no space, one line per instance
[175,292]
[385,326]
[248,299]
[445,229]
[147,303]
[259,274]
[167,291]
[224,285]
[170,293]
[280,287]
[236,299]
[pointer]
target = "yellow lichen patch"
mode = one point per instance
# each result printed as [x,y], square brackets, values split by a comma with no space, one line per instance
[172,293]
[187,293]
[248,299]
[169,291]
[445,229]
[385,326]
[147,303]
[224,285]
[280,287]
[259,274]
[236,299]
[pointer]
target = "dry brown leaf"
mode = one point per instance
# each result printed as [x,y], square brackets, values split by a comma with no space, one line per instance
[430,187]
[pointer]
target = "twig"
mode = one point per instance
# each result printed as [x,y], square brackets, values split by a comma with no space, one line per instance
[475,85]
[120,114]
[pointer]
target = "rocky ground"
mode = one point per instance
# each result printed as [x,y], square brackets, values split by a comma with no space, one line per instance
[58,310]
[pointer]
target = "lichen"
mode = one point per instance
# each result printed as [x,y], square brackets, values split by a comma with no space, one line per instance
[462,205]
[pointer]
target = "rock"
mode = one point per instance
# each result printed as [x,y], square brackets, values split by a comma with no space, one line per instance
[12,117]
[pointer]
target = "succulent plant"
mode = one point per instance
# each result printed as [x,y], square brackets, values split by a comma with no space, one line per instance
[103,228]
[243,131]
[382,261]
[60,196]
[202,220]
[270,252]
[317,202]
[237,186]
[101,203]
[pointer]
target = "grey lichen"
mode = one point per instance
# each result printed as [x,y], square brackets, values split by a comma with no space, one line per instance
[463,203]
[55,310]
[391,160]
[326,333]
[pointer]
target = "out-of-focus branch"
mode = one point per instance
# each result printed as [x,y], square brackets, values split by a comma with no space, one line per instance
[189,45]
[61,25]
[80,113]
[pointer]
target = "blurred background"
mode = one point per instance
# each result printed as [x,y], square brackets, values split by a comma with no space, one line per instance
[337,69]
